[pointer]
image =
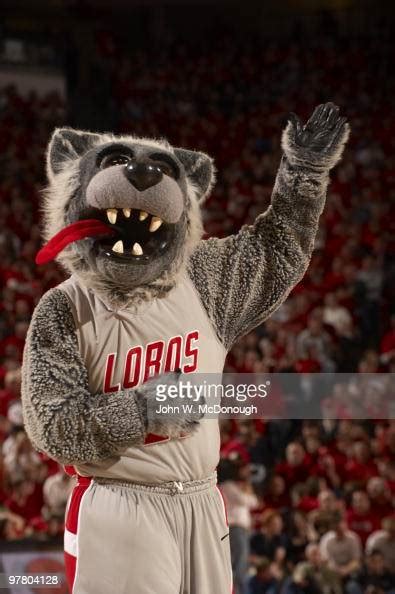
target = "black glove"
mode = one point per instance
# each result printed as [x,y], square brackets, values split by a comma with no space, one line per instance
[319,143]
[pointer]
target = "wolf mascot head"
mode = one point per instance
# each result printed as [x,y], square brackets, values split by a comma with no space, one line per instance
[145,194]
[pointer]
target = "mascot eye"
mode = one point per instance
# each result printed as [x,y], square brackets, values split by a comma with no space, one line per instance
[166,169]
[166,165]
[114,159]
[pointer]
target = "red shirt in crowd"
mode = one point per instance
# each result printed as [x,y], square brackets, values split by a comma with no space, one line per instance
[363,524]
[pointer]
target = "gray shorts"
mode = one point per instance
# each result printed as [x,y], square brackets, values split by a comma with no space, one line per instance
[124,538]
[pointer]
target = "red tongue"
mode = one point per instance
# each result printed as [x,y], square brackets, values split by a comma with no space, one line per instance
[75,231]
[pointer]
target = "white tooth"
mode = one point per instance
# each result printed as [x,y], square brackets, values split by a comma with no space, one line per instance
[112,215]
[137,250]
[143,215]
[155,224]
[118,247]
[126,212]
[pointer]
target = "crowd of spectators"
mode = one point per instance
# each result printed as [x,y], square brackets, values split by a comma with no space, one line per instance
[310,503]
[319,518]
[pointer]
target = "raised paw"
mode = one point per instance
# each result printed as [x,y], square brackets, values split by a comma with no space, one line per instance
[320,141]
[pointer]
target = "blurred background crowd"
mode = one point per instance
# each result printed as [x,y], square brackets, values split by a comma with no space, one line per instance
[310,503]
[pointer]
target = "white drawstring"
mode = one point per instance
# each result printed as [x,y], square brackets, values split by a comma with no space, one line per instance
[179,486]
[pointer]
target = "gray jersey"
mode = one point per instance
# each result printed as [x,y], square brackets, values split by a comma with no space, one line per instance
[122,349]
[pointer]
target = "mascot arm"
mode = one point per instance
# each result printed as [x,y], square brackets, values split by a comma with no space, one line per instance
[243,278]
[61,416]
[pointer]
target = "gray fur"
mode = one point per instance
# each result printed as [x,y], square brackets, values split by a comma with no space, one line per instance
[61,416]
[173,425]
[243,278]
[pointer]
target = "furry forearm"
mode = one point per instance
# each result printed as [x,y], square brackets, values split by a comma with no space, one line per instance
[243,278]
[62,417]
[298,200]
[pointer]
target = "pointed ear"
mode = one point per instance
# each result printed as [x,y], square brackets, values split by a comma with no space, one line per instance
[67,144]
[199,168]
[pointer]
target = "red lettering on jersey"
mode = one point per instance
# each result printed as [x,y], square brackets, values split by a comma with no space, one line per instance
[108,374]
[191,352]
[132,363]
[158,356]
[173,352]
[153,359]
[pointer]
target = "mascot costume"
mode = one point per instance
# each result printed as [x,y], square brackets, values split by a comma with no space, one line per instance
[148,299]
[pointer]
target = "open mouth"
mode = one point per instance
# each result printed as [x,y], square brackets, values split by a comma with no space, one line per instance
[125,234]
[137,235]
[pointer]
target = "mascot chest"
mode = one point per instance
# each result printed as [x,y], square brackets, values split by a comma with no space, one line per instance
[122,349]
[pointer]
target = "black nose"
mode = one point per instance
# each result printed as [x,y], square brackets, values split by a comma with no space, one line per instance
[143,175]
